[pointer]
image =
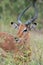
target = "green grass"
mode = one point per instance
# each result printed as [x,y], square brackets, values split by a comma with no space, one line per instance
[37,47]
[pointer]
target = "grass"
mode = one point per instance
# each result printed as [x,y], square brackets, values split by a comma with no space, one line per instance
[37,47]
[36,41]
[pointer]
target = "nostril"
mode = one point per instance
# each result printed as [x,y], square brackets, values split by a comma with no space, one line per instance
[11,23]
[16,39]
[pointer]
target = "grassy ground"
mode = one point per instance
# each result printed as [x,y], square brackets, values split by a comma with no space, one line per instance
[36,41]
[37,47]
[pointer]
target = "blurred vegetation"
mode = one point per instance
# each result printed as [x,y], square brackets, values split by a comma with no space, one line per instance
[10,9]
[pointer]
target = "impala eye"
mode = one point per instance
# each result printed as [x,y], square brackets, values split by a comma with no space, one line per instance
[25,30]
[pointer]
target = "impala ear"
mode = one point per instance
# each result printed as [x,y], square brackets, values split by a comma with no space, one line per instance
[35,23]
[14,25]
[11,23]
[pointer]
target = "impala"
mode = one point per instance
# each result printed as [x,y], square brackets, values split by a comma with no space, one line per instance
[22,38]
[23,33]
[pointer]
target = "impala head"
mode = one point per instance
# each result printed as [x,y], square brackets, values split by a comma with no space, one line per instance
[23,29]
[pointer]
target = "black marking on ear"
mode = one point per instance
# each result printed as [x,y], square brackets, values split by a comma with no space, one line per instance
[11,23]
[35,23]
